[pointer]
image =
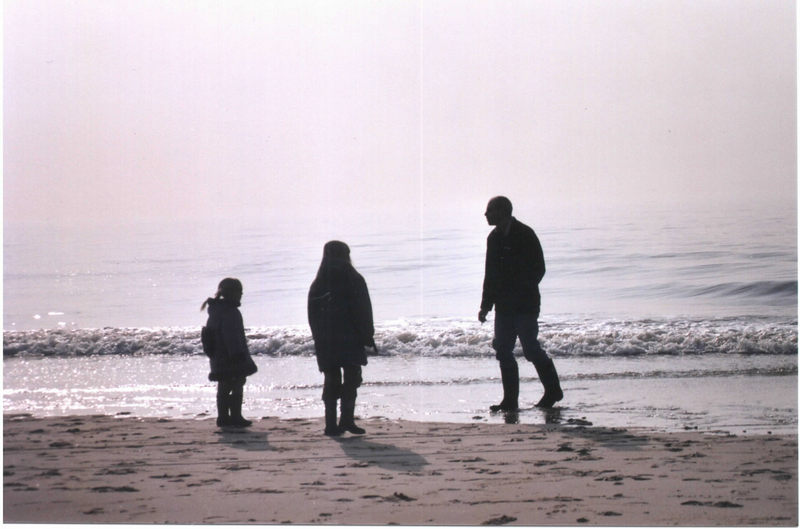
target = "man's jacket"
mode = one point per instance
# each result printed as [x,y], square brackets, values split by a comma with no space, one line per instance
[514,268]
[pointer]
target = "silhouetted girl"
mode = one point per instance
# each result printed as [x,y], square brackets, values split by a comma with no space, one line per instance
[340,316]
[226,346]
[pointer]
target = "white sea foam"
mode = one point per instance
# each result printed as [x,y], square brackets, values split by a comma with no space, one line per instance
[440,338]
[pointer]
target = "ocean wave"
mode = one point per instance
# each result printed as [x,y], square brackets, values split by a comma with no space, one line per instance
[440,338]
[775,290]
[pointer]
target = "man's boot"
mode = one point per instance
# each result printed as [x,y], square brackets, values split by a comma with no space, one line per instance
[552,387]
[331,428]
[223,412]
[347,421]
[236,411]
[510,376]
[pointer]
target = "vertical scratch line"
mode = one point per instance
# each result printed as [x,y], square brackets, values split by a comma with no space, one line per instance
[421,159]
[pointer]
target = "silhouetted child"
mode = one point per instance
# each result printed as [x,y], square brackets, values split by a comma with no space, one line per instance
[226,346]
[340,316]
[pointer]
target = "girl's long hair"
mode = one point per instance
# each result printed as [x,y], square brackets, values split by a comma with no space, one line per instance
[334,254]
[228,288]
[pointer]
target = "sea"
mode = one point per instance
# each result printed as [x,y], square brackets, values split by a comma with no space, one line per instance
[656,317]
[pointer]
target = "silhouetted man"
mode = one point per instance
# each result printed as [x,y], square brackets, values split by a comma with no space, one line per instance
[514,268]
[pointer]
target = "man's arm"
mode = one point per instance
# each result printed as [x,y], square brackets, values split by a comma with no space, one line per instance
[537,258]
[489,280]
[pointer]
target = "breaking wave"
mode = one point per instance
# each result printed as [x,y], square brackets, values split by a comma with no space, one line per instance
[446,338]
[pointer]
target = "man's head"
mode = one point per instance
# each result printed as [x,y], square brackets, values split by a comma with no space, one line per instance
[498,211]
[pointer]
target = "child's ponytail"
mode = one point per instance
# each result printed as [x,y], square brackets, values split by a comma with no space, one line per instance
[228,287]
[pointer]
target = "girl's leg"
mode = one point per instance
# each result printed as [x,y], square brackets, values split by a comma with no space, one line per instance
[331,391]
[352,381]
[237,396]
[223,405]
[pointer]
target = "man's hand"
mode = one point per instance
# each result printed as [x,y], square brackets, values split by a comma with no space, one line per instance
[482,315]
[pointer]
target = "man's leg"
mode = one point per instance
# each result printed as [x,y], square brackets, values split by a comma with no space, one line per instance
[528,328]
[505,336]
[352,381]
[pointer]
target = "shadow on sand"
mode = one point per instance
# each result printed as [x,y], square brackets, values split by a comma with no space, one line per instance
[385,456]
[252,440]
[613,438]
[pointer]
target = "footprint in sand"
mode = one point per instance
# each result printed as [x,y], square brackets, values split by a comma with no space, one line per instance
[500,520]
[115,472]
[114,489]
[19,487]
[171,476]
[236,467]
[399,496]
[720,504]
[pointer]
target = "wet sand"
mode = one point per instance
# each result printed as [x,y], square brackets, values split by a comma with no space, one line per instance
[103,469]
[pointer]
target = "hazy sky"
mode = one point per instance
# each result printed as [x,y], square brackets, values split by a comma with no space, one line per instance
[121,110]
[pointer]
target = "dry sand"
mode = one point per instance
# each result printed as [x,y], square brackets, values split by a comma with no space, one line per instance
[100,469]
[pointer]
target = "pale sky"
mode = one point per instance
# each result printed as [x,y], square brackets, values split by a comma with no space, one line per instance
[126,110]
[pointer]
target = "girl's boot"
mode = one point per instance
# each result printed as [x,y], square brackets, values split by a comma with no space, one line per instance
[223,412]
[331,428]
[347,422]
[236,411]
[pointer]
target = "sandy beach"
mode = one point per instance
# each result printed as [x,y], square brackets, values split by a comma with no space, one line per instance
[103,469]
